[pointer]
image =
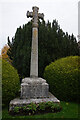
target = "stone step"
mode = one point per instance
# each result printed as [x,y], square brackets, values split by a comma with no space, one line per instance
[22,102]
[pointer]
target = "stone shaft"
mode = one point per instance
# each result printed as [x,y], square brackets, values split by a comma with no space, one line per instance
[34,53]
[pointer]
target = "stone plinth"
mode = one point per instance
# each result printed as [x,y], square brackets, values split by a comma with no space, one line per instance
[34,88]
[23,102]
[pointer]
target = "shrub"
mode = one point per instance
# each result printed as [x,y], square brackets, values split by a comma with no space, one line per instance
[36,108]
[16,109]
[10,82]
[63,78]
[31,107]
[42,106]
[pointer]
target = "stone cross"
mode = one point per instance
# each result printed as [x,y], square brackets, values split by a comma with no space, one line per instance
[34,52]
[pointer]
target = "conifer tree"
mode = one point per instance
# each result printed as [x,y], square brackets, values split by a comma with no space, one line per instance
[53,43]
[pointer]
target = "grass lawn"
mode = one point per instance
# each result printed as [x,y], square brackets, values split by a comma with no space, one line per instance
[69,110]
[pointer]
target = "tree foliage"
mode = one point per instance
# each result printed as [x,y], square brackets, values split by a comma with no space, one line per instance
[53,43]
[4,54]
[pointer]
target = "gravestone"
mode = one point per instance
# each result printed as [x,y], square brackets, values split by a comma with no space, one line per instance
[34,89]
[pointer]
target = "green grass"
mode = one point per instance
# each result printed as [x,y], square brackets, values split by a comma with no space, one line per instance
[69,110]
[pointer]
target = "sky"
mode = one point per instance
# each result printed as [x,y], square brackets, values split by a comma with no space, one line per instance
[13,15]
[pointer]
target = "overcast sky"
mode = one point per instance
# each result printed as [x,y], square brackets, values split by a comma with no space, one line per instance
[13,15]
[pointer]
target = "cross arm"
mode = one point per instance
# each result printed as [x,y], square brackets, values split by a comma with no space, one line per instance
[29,14]
[41,15]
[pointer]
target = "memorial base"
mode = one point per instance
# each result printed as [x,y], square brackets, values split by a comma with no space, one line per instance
[33,90]
[17,102]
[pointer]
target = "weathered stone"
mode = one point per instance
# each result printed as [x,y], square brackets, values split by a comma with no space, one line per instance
[34,88]
[34,80]
[24,90]
[23,102]
[45,90]
[34,52]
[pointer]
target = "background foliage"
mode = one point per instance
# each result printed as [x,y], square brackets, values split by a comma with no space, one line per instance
[53,44]
[10,82]
[4,54]
[63,78]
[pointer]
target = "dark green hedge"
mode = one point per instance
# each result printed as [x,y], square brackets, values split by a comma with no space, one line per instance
[63,78]
[10,82]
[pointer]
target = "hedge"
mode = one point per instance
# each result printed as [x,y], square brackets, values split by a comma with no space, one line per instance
[63,78]
[10,82]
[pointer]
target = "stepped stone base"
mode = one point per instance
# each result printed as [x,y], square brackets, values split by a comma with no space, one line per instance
[22,102]
[34,88]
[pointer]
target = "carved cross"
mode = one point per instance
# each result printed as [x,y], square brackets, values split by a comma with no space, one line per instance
[34,51]
[35,15]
